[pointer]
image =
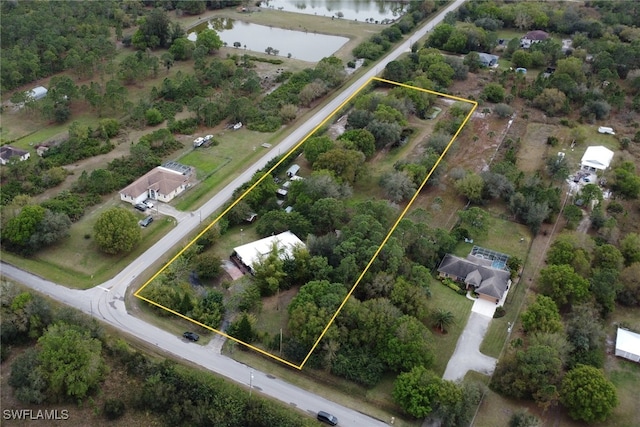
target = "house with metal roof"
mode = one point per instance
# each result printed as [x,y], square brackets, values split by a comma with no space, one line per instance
[596,157]
[247,255]
[628,345]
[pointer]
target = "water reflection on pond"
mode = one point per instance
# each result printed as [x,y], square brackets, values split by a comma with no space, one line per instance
[306,46]
[362,10]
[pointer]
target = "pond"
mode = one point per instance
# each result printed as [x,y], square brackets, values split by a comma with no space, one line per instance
[305,46]
[375,11]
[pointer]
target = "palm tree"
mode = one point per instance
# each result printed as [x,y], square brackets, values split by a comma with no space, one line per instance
[442,319]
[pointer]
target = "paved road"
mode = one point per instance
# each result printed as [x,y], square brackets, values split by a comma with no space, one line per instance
[106,301]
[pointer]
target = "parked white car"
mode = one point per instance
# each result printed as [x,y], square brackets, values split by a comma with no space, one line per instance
[198,142]
[208,138]
[149,204]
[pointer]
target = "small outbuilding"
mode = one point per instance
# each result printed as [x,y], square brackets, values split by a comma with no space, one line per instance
[488,60]
[37,93]
[293,170]
[628,345]
[596,158]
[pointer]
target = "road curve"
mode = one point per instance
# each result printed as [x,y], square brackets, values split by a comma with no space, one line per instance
[106,301]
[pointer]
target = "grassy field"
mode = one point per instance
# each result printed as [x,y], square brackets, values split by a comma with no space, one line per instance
[503,236]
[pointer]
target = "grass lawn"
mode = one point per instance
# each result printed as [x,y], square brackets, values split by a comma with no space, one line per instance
[78,263]
[444,298]
[204,161]
[502,236]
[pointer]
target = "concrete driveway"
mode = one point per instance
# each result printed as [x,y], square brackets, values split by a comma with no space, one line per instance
[467,356]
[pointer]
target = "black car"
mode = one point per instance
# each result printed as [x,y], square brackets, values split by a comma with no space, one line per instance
[141,207]
[326,417]
[148,220]
[191,336]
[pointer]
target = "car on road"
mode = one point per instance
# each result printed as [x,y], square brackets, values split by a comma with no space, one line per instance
[191,336]
[145,222]
[141,207]
[326,417]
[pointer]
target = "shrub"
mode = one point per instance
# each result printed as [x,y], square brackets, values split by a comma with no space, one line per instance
[493,92]
[500,312]
[113,409]
[153,117]
[503,110]
[184,127]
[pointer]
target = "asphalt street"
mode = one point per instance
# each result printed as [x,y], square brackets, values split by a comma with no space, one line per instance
[106,301]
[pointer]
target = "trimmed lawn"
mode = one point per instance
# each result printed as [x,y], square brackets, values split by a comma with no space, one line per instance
[446,299]
[503,236]
[204,161]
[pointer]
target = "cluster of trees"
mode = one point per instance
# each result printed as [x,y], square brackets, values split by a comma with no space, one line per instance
[564,326]
[529,200]
[574,81]
[181,286]
[35,45]
[66,362]
[32,228]
[378,44]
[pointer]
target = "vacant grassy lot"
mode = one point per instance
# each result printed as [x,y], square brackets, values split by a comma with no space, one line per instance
[503,236]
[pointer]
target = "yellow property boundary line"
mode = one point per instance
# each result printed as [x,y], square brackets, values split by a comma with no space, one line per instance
[375,255]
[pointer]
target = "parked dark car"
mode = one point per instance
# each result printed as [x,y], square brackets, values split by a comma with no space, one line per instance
[326,417]
[148,220]
[191,336]
[141,207]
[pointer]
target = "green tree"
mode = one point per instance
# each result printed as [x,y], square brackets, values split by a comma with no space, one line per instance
[181,49]
[472,60]
[551,101]
[630,248]
[443,319]
[398,186]
[475,220]
[471,186]
[345,164]
[629,294]
[493,92]
[588,394]
[209,39]
[563,285]
[410,345]
[524,419]
[419,392]
[268,271]
[20,228]
[542,316]
[359,139]
[70,361]
[28,384]
[626,183]
[316,146]
[607,257]
[210,309]
[242,329]
[117,231]
[521,58]
[153,117]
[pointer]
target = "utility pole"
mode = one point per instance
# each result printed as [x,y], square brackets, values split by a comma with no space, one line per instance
[250,382]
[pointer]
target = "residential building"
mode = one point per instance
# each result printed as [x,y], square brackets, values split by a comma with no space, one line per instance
[7,153]
[162,183]
[532,37]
